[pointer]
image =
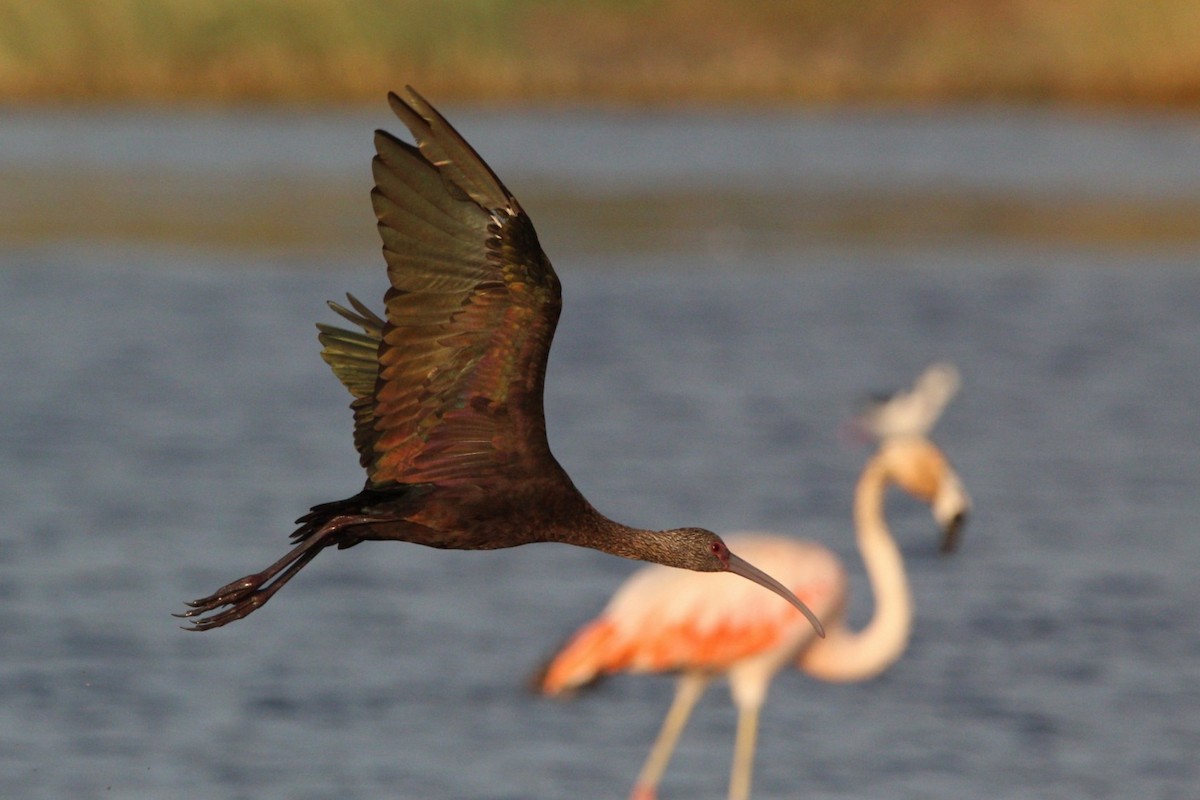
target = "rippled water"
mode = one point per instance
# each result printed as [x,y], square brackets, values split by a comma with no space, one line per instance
[166,416]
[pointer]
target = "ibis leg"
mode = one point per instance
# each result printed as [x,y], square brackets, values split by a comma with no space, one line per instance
[249,593]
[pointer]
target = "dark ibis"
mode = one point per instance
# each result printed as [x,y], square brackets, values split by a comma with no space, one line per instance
[447,385]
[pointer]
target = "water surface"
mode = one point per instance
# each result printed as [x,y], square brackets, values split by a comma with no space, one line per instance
[165,417]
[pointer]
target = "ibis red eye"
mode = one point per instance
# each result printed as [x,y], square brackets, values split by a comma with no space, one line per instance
[720,552]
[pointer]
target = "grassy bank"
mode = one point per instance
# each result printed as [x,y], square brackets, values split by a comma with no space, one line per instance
[332,218]
[1129,52]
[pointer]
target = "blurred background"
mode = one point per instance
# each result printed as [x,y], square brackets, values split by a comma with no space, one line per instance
[759,212]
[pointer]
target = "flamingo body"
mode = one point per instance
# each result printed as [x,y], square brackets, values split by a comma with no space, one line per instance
[660,620]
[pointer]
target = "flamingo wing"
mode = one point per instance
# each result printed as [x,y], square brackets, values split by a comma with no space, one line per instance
[460,357]
[665,620]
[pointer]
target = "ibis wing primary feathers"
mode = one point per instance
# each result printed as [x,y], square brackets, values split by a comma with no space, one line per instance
[471,311]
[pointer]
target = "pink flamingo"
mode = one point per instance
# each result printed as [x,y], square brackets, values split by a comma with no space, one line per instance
[665,619]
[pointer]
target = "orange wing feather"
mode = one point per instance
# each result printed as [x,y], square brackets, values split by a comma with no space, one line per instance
[664,619]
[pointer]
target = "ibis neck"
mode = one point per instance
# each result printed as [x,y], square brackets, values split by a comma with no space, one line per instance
[592,529]
[847,655]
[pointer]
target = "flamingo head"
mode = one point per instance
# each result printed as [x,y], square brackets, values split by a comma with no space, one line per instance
[919,468]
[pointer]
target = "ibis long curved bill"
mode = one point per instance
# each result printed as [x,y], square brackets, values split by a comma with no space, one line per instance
[739,566]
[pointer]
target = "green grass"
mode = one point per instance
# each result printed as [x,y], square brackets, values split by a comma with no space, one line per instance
[768,51]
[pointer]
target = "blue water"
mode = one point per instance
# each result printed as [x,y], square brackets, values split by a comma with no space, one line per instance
[165,416]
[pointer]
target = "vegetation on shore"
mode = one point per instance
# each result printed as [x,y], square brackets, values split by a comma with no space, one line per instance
[1129,52]
[330,219]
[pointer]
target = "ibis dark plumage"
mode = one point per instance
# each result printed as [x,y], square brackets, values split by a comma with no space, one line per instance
[447,386]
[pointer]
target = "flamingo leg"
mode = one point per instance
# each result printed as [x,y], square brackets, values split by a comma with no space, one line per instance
[688,691]
[743,753]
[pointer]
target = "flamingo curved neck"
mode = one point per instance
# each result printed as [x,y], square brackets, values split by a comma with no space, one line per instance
[847,655]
